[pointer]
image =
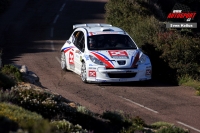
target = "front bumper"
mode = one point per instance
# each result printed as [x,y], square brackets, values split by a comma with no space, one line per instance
[119,75]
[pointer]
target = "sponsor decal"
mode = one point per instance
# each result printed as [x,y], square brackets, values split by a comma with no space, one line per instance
[71,58]
[91,33]
[73,38]
[108,32]
[100,80]
[87,57]
[147,64]
[148,72]
[77,55]
[118,54]
[104,32]
[92,68]
[92,65]
[91,73]
[80,58]
[68,42]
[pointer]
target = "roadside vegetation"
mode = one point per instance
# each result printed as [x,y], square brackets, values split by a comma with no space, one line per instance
[27,108]
[174,54]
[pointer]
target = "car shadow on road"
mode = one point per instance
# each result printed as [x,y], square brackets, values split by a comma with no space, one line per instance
[151,83]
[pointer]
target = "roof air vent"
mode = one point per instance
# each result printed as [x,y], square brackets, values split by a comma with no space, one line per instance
[106,29]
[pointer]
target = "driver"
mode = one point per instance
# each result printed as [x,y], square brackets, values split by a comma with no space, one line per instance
[100,41]
[92,43]
[112,42]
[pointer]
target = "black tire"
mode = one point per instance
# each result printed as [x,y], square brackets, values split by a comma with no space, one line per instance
[63,61]
[83,73]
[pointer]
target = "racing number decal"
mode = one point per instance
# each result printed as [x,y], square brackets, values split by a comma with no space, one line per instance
[92,73]
[71,58]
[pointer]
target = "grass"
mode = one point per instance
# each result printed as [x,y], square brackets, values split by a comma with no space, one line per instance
[190,82]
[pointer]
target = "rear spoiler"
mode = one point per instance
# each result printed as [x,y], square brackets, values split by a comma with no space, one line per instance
[91,25]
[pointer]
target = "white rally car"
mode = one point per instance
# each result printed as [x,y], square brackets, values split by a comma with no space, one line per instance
[104,53]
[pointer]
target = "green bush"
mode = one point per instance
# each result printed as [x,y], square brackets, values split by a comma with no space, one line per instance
[181,52]
[137,20]
[63,126]
[160,124]
[122,13]
[13,72]
[41,101]
[7,96]
[26,120]
[9,76]
[6,82]
[171,129]
[114,116]
[164,127]
[136,124]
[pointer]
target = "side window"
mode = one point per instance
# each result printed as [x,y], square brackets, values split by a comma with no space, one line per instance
[75,37]
[79,40]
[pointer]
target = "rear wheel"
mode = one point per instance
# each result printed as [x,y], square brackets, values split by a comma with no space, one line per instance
[63,61]
[83,73]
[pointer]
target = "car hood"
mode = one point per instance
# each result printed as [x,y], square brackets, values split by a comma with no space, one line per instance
[118,58]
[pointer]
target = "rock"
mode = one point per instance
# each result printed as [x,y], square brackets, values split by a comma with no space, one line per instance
[29,76]
[24,69]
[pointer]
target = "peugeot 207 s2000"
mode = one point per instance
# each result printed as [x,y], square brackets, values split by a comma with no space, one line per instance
[104,53]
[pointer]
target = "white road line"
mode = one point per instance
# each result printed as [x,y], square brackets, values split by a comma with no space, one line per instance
[52,46]
[188,126]
[56,18]
[52,30]
[139,104]
[62,7]
[57,59]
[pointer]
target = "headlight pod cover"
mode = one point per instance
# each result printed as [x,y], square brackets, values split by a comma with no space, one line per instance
[142,59]
[95,60]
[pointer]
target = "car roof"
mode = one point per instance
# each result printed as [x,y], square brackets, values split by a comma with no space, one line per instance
[99,27]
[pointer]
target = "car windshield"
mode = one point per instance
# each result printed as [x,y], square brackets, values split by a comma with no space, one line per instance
[110,42]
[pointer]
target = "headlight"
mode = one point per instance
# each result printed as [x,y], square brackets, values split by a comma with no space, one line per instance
[95,60]
[142,59]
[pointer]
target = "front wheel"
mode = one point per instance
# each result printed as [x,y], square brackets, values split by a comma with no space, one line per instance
[83,73]
[63,62]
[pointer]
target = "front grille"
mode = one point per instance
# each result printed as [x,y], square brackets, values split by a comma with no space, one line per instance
[121,75]
[121,62]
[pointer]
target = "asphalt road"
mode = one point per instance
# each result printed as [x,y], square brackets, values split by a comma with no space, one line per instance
[32,33]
